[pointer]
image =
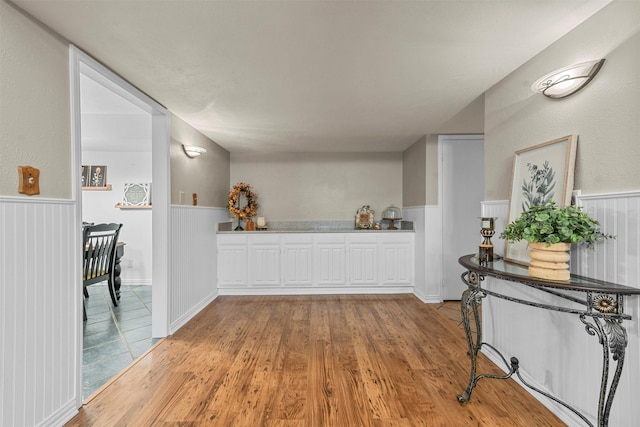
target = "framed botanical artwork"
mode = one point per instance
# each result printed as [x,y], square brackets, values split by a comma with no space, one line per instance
[84,174]
[541,173]
[137,194]
[97,176]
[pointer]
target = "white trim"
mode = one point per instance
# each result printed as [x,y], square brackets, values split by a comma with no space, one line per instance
[76,191]
[161,226]
[314,290]
[495,202]
[182,320]
[63,415]
[431,299]
[14,200]
[623,194]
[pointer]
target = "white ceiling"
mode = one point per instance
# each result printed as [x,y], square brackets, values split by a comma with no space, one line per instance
[111,123]
[313,76]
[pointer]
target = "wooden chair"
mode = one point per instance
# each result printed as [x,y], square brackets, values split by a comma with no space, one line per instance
[99,258]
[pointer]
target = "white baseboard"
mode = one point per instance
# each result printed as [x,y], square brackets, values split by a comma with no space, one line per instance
[182,320]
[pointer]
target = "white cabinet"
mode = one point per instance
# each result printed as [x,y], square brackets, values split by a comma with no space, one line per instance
[232,261]
[331,259]
[297,260]
[363,259]
[290,263]
[264,260]
[397,259]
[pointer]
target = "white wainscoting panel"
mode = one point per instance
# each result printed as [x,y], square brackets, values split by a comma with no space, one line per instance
[427,222]
[193,254]
[40,293]
[498,209]
[416,215]
[556,354]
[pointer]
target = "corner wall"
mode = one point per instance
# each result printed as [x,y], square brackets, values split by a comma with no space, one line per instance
[206,175]
[414,174]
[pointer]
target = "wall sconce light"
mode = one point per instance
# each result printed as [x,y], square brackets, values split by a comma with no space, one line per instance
[568,80]
[193,151]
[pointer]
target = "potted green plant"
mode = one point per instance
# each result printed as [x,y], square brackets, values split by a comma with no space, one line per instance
[550,231]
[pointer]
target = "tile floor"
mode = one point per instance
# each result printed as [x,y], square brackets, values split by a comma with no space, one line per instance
[114,336]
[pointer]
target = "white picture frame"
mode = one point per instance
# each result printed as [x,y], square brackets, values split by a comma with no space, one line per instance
[137,194]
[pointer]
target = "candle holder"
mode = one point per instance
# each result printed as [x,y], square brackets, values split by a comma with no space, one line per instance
[485,252]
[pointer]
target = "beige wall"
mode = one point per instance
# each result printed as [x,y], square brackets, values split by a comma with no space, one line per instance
[35,121]
[320,186]
[469,121]
[207,175]
[414,170]
[605,114]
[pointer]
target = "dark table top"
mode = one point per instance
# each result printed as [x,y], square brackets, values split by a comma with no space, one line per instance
[502,269]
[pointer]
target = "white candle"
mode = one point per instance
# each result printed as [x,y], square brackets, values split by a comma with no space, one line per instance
[261,221]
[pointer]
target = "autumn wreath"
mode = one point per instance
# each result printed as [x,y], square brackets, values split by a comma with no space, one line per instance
[251,208]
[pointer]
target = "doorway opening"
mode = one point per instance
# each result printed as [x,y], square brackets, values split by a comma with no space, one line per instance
[116,140]
[100,138]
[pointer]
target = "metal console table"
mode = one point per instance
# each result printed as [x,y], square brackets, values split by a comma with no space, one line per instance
[600,309]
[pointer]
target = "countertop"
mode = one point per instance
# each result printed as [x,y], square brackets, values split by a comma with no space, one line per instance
[271,231]
[315,227]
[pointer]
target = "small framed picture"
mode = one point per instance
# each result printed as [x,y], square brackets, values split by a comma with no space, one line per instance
[98,176]
[137,194]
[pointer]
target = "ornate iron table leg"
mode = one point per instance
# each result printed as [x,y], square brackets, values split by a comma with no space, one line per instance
[468,300]
[613,338]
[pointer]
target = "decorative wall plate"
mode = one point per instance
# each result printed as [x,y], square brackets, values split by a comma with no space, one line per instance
[137,194]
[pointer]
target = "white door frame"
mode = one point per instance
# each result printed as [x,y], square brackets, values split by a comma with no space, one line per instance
[81,63]
[441,140]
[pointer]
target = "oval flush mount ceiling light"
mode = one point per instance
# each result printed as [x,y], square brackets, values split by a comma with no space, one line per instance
[193,151]
[568,80]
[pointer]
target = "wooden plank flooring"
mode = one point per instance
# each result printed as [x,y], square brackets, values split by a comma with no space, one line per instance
[300,361]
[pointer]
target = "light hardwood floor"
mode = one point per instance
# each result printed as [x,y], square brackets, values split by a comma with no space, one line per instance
[382,360]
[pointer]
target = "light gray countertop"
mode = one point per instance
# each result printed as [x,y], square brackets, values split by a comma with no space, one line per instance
[312,231]
[315,227]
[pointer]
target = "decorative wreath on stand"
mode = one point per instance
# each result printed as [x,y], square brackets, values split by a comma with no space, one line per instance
[251,208]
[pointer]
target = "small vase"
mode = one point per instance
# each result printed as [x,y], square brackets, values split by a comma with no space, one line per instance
[250,225]
[549,262]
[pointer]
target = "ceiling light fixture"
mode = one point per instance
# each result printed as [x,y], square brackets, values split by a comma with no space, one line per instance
[568,80]
[193,151]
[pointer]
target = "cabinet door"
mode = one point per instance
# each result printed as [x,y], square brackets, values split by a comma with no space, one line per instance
[297,260]
[264,261]
[363,260]
[331,260]
[232,262]
[397,259]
